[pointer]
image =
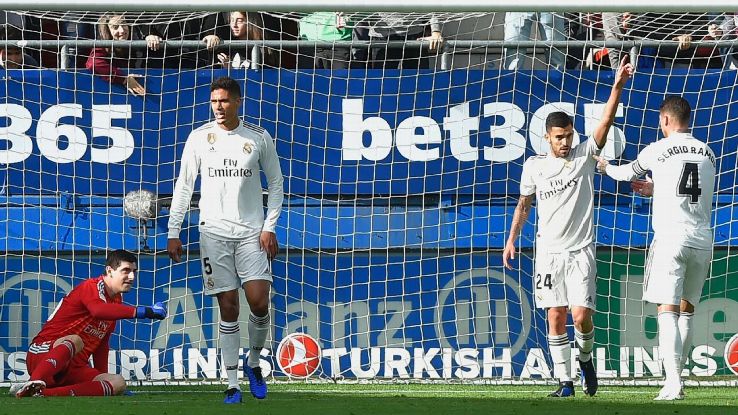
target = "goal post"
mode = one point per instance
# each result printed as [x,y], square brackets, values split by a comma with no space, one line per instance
[376,5]
[400,185]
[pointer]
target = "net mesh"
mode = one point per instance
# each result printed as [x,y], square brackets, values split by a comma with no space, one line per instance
[401,176]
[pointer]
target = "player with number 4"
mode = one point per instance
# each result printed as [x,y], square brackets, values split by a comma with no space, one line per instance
[565,270]
[678,263]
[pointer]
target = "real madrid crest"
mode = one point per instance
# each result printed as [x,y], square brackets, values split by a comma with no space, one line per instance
[247,148]
[212,137]
[210,283]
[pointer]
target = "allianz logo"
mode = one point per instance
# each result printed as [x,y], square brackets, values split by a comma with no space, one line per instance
[27,301]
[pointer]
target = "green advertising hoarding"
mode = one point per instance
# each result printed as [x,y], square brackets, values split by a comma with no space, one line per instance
[627,336]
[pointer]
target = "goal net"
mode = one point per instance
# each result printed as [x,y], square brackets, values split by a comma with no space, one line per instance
[401,167]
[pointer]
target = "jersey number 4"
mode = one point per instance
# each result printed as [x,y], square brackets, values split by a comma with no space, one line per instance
[546,280]
[689,182]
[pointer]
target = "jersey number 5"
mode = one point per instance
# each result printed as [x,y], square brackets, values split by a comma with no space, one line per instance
[546,281]
[206,266]
[689,182]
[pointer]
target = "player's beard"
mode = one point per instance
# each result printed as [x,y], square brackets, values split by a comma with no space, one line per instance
[126,287]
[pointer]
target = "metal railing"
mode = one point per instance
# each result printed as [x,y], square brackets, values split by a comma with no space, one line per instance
[449,47]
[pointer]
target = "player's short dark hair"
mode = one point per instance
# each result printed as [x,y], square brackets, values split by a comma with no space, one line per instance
[227,83]
[120,255]
[558,119]
[677,107]
[10,33]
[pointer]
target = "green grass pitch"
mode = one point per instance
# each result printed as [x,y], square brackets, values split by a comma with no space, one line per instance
[372,399]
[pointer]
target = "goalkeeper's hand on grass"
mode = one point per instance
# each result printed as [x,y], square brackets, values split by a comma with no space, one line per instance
[156,311]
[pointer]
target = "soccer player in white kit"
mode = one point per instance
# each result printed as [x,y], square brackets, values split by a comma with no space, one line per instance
[678,262]
[565,270]
[237,241]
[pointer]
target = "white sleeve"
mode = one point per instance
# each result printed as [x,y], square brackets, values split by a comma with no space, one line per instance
[269,162]
[586,148]
[592,148]
[188,170]
[527,185]
[622,173]
[630,171]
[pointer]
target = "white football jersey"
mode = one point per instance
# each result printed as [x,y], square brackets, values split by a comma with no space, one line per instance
[683,170]
[229,162]
[564,192]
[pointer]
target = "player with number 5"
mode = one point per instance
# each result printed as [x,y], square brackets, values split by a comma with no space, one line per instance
[565,270]
[236,240]
[678,262]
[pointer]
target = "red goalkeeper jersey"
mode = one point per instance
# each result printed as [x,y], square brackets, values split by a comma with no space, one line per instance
[89,312]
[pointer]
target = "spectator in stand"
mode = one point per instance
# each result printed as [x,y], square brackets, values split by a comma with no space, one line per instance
[327,27]
[681,27]
[209,29]
[386,27]
[23,27]
[615,26]
[582,26]
[518,27]
[107,62]
[12,56]
[727,29]
[246,26]
[75,57]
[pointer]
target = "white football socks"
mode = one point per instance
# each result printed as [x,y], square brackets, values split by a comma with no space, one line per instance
[670,345]
[685,332]
[230,338]
[585,341]
[258,330]
[560,348]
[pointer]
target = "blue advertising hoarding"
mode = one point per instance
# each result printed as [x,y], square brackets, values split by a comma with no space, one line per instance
[356,301]
[340,132]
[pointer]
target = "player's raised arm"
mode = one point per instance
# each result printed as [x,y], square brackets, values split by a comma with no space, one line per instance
[625,72]
[522,211]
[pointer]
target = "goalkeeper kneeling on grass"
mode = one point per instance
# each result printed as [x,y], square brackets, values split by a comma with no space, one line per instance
[80,327]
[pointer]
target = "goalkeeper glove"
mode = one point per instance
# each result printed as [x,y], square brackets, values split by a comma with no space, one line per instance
[156,311]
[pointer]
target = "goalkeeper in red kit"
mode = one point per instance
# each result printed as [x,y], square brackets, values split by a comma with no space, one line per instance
[80,327]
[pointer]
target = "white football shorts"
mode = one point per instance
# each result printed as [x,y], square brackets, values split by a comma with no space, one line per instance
[565,279]
[227,265]
[675,272]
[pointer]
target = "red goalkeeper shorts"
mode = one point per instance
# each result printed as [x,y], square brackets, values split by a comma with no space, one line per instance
[73,374]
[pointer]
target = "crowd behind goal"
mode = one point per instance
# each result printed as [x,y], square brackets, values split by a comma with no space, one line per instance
[215,30]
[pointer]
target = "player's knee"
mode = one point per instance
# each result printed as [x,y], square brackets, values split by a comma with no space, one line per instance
[260,307]
[257,295]
[582,318]
[76,342]
[556,317]
[229,312]
[118,383]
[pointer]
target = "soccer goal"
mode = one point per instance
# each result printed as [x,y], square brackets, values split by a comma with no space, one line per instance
[401,168]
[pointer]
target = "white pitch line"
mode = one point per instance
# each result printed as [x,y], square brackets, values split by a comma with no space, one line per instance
[387,391]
